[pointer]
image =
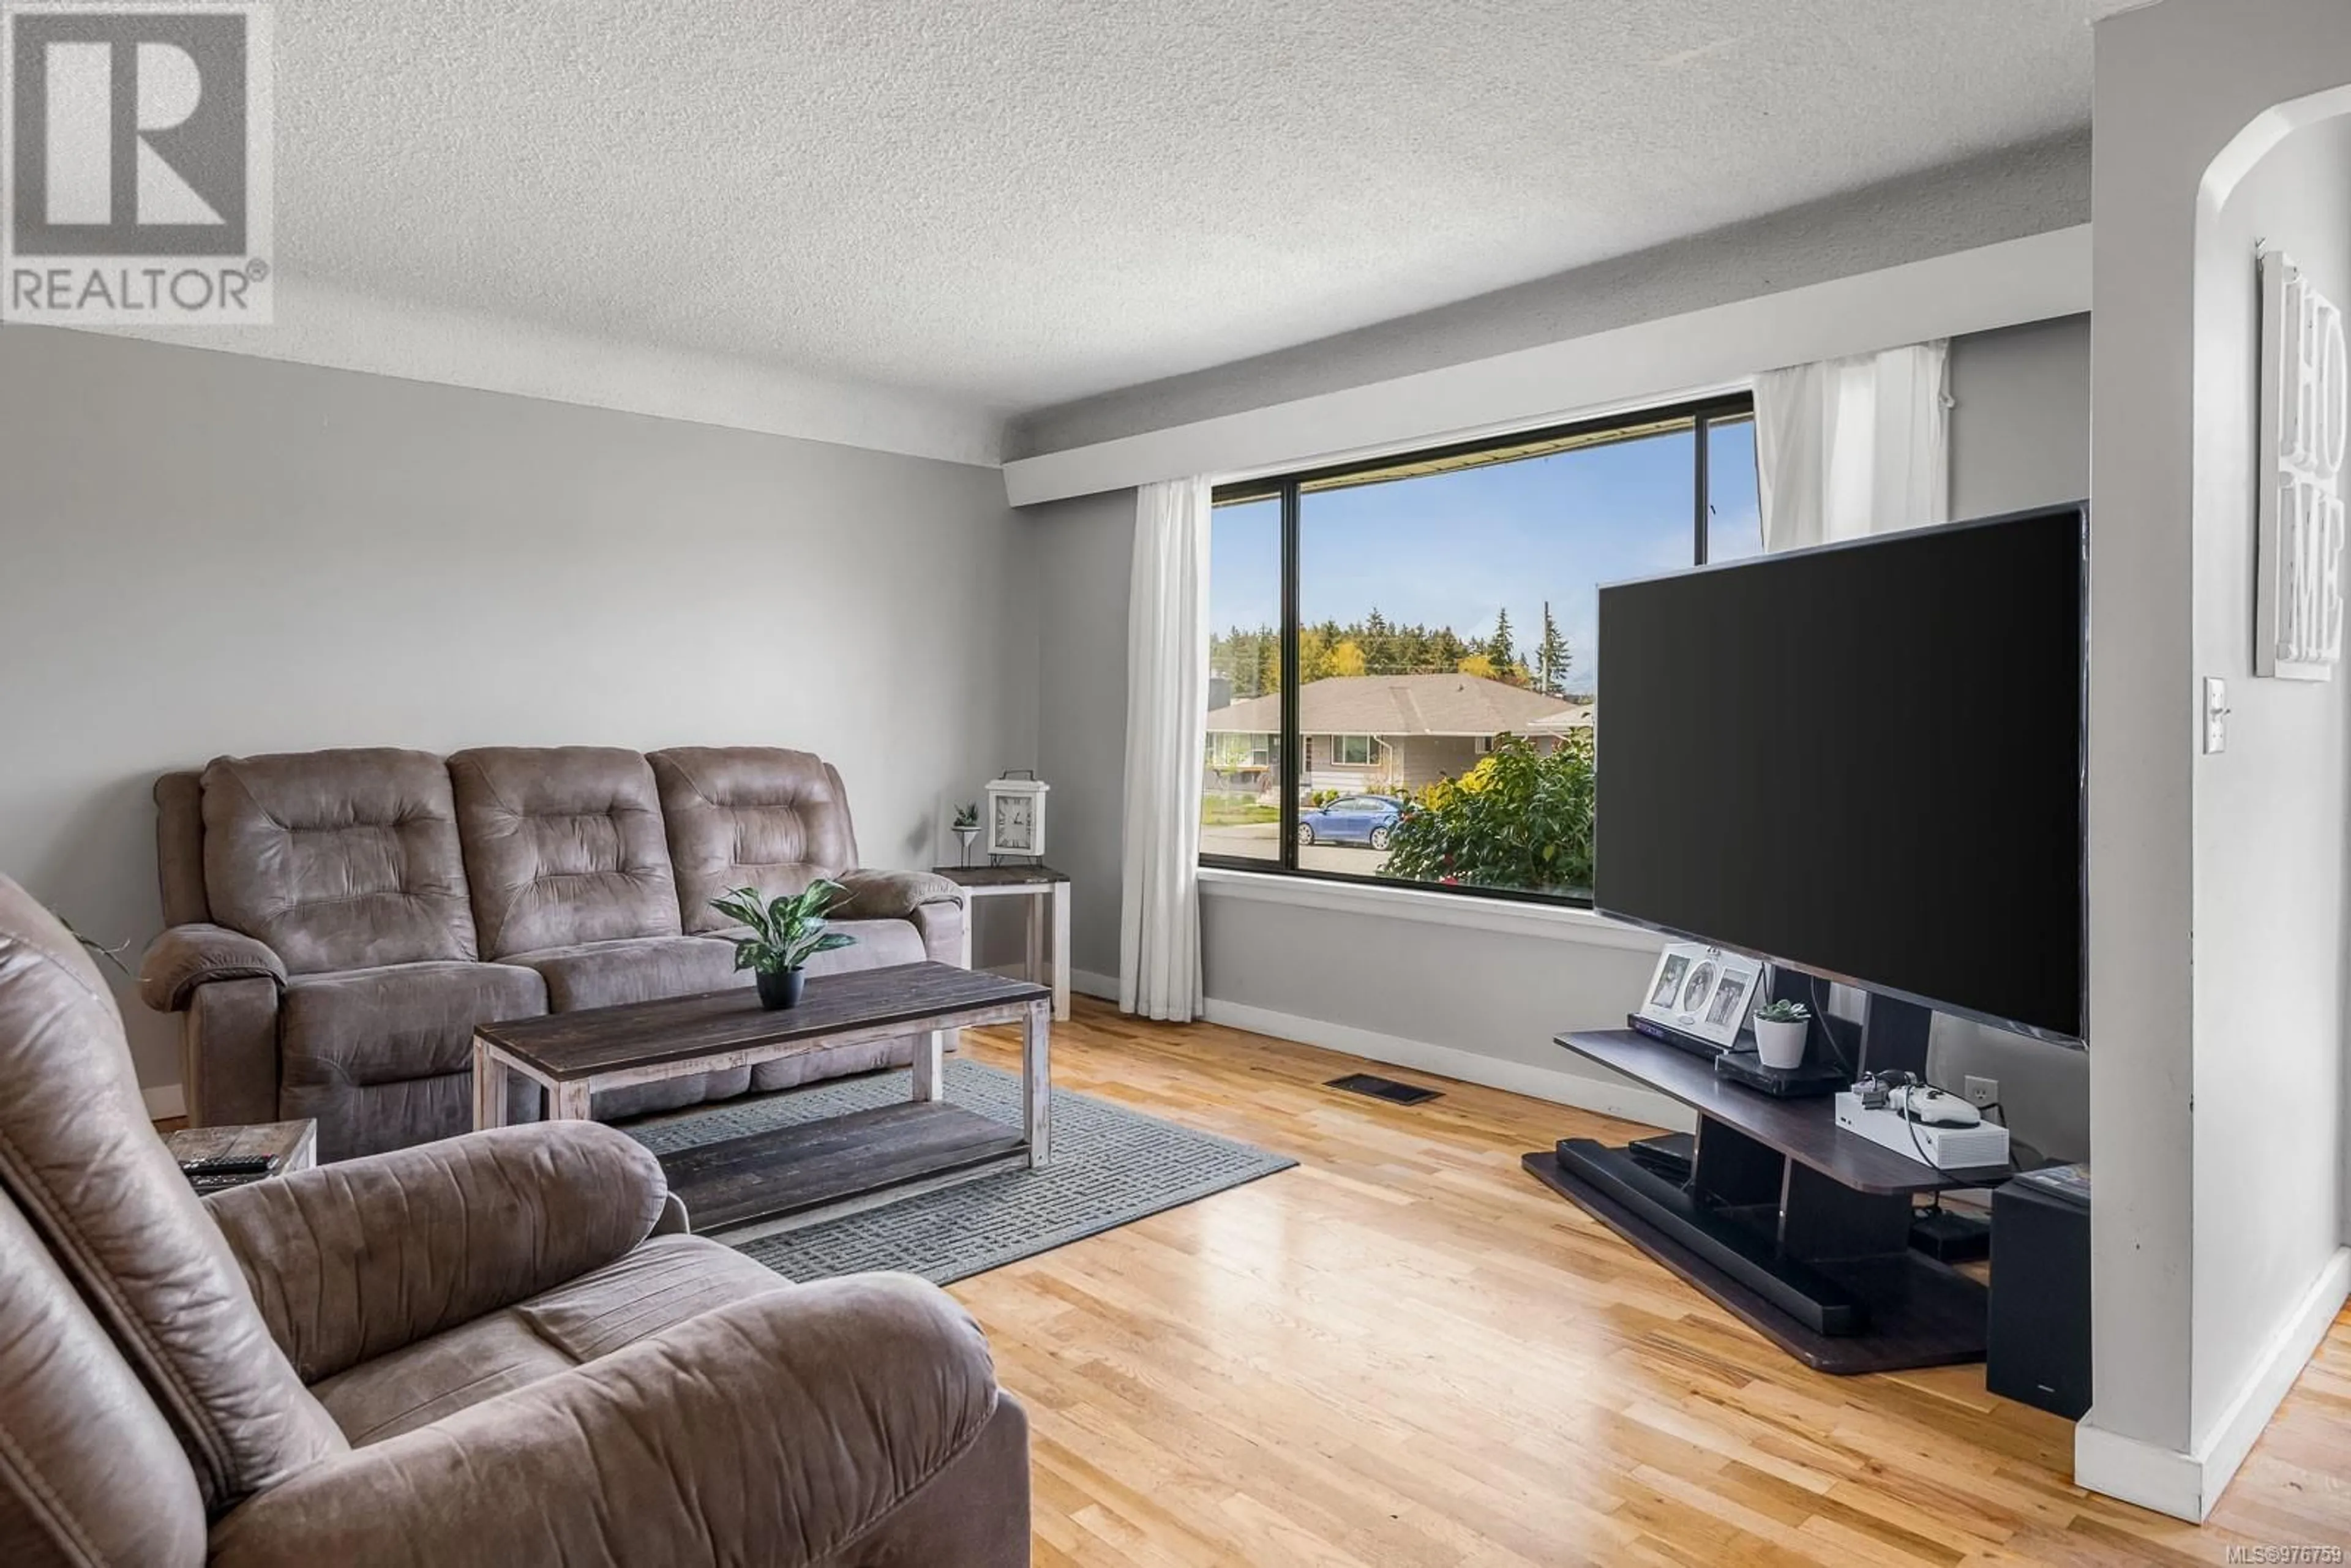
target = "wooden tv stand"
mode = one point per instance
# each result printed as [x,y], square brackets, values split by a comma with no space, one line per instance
[1799,1228]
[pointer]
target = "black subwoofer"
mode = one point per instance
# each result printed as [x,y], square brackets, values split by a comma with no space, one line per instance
[2038,1347]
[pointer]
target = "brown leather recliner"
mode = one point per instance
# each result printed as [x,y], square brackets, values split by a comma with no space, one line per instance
[340,921]
[487,1351]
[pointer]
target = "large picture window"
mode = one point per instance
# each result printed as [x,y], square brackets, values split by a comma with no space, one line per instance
[1404,679]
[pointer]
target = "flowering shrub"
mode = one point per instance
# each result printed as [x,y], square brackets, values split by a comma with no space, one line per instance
[1520,818]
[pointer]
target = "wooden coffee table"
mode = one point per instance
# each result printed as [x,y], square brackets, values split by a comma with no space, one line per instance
[813,1170]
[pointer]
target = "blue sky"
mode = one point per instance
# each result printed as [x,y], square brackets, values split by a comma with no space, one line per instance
[1451,548]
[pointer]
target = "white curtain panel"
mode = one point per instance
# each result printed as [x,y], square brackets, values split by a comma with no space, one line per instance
[1854,446]
[1166,716]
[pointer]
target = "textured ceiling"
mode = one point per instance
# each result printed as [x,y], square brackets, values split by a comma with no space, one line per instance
[1022,202]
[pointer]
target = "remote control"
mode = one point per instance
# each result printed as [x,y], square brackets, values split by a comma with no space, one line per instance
[226,1165]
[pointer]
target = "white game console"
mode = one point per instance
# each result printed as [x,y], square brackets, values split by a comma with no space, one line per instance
[1946,1148]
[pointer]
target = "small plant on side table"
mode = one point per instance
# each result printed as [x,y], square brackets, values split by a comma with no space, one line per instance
[1780,1030]
[967,829]
[786,933]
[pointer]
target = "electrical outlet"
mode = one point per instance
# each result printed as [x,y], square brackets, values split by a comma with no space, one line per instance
[1982,1092]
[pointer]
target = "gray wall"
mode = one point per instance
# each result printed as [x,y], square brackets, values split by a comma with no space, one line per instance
[2021,437]
[1084,552]
[2020,417]
[2270,922]
[2217,921]
[206,553]
[2023,191]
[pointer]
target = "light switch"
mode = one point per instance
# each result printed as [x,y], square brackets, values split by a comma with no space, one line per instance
[2216,715]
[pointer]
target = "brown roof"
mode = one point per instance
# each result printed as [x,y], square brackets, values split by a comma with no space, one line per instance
[1396,705]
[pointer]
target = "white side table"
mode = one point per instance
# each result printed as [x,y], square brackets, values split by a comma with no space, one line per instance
[1048,892]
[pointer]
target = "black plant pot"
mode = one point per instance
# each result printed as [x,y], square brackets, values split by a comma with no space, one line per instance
[781,988]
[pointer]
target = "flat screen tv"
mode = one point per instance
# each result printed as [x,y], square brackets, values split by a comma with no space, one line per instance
[1864,760]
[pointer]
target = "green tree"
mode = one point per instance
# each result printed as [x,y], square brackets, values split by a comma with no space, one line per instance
[1520,818]
[1550,658]
[1500,650]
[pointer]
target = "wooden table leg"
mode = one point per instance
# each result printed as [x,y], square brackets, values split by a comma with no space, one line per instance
[930,1080]
[1037,1081]
[569,1102]
[1061,952]
[489,1088]
[1033,967]
[970,919]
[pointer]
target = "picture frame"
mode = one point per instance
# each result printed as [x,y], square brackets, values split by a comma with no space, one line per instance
[1702,991]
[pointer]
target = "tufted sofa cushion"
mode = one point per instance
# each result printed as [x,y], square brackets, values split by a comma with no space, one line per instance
[563,845]
[749,816]
[337,859]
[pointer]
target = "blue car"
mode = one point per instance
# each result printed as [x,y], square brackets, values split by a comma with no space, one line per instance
[1350,819]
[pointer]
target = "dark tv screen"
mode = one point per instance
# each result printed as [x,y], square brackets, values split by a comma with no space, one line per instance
[1864,760]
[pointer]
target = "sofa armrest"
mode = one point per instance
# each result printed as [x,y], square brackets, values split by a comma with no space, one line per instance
[789,1428]
[941,928]
[186,956]
[228,1052]
[349,1261]
[893,895]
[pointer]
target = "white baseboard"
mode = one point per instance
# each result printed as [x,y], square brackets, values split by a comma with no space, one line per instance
[1585,1093]
[1085,982]
[164,1102]
[2188,1485]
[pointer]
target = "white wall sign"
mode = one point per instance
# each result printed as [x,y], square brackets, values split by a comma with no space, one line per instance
[2305,398]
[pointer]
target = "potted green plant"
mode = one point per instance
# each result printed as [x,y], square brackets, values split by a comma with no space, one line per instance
[787,931]
[1781,1029]
[967,829]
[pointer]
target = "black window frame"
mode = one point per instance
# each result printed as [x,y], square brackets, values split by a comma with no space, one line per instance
[1701,415]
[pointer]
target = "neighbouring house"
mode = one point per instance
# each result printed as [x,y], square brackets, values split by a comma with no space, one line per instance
[1577,715]
[1380,732]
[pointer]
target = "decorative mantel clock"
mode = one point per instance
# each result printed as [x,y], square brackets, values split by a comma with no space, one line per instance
[1015,814]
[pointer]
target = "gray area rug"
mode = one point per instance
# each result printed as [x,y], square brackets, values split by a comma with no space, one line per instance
[1111,1165]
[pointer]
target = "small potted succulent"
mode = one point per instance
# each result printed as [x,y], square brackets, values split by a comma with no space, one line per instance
[967,829]
[787,931]
[1781,1029]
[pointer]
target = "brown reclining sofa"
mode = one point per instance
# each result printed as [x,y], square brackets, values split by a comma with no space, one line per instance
[494,1351]
[338,921]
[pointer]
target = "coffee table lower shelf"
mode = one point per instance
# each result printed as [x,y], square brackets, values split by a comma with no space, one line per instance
[787,1177]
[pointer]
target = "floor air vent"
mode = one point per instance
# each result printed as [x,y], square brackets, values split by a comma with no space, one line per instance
[1379,1088]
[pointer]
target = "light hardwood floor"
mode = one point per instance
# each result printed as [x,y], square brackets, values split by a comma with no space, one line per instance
[1405,1352]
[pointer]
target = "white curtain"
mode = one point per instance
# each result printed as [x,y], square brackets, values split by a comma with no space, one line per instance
[1166,713]
[1854,446]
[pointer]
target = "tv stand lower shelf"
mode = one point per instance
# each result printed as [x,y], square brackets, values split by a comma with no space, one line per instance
[1798,1229]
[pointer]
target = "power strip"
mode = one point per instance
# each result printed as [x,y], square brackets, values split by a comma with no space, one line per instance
[1944,1148]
